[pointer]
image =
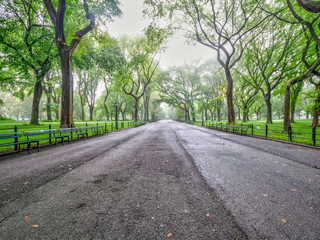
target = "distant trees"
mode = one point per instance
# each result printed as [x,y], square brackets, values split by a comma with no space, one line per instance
[141,62]
[180,87]
[226,27]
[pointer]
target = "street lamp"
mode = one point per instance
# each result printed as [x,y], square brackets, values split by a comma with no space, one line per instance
[116,115]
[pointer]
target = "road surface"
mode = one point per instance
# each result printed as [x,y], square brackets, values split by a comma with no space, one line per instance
[165,180]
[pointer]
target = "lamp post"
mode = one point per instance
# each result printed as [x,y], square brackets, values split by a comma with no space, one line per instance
[116,115]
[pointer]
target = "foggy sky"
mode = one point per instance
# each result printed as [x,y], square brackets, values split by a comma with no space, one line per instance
[178,51]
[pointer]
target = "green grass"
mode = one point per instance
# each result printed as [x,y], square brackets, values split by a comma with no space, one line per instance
[301,130]
[8,126]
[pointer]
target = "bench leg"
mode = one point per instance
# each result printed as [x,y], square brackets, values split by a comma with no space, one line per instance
[38,146]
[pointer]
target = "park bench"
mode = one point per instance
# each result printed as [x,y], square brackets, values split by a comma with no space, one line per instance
[33,137]
[229,128]
[95,130]
[243,129]
[14,136]
[69,133]
[98,130]
[225,127]
[85,131]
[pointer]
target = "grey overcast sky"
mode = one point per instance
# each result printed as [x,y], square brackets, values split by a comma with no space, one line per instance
[178,51]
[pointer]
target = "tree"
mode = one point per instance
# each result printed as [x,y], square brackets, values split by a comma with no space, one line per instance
[180,87]
[224,26]
[141,55]
[274,61]
[26,43]
[246,94]
[295,92]
[316,108]
[310,23]
[213,88]
[66,50]
[89,74]
[111,60]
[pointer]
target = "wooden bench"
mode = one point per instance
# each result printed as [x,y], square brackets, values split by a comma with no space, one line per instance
[229,128]
[94,130]
[85,131]
[44,135]
[15,137]
[70,133]
[98,130]
[243,129]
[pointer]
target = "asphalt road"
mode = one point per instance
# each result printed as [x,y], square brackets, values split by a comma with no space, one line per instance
[164,180]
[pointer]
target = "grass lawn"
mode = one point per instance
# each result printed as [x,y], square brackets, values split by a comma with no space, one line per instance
[8,126]
[301,130]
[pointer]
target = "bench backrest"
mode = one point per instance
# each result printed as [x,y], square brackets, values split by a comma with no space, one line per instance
[66,130]
[10,135]
[40,132]
[85,128]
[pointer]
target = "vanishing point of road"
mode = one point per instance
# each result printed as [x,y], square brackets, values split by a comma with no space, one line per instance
[164,180]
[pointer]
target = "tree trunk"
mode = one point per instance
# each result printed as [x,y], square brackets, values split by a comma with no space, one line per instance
[49,115]
[286,114]
[315,121]
[37,93]
[244,116]
[67,89]
[219,110]
[56,101]
[146,107]
[310,5]
[206,114]
[293,109]
[107,111]
[229,94]
[136,109]
[269,109]
[105,104]
[91,108]
[57,112]
[83,118]
[193,115]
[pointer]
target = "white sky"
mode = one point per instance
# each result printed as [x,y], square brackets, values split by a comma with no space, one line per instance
[178,51]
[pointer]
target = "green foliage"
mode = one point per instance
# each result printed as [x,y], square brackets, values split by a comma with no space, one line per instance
[26,42]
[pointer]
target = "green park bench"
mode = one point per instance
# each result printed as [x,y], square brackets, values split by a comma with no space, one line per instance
[230,128]
[98,130]
[14,136]
[94,130]
[85,131]
[69,133]
[243,130]
[33,137]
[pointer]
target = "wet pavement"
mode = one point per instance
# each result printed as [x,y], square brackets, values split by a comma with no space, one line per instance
[164,180]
